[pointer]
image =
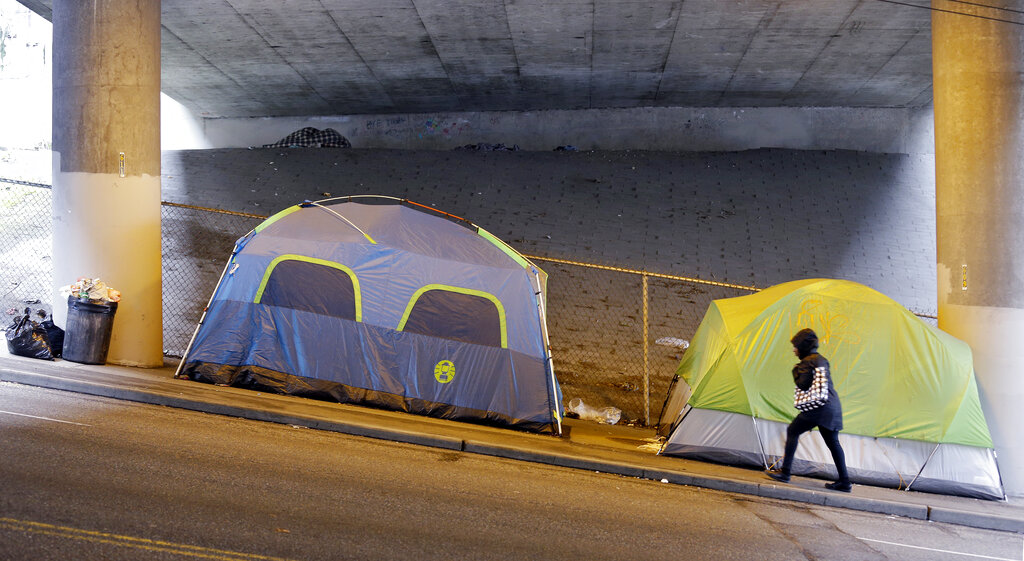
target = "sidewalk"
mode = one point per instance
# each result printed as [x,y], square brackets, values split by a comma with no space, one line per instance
[587,445]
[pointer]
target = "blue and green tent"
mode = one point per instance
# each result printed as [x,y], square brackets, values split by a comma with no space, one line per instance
[384,302]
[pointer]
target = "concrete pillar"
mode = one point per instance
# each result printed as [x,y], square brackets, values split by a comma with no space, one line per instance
[106,163]
[978,66]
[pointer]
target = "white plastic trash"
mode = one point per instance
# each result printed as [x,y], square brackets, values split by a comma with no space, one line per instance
[673,342]
[607,415]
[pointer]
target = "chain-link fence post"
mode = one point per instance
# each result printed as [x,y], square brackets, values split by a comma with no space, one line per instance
[647,360]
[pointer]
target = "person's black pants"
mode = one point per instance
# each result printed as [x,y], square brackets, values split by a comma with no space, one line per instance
[801,425]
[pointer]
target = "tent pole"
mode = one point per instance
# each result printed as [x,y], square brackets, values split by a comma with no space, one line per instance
[757,434]
[995,458]
[181,363]
[547,349]
[347,221]
[920,471]
[668,395]
[647,365]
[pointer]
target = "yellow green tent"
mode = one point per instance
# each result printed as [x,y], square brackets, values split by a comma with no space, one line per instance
[911,411]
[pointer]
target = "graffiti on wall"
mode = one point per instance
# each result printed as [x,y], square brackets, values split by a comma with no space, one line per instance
[444,127]
[390,126]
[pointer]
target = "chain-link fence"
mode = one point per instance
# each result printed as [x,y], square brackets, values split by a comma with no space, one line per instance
[197,243]
[26,234]
[614,332]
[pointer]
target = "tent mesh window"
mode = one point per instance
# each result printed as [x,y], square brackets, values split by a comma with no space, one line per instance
[290,286]
[452,315]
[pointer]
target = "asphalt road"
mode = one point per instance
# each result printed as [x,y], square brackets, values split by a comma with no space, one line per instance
[92,478]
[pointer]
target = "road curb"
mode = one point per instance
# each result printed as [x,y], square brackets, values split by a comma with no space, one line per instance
[878,506]
[766,490]
[561,460]
[251,413]
[975,520]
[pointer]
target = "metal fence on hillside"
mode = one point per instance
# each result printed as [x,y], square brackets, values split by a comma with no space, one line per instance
[614,332]
[26,242]
[604,322]
[196,244]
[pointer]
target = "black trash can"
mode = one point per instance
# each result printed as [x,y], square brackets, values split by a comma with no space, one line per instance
[87,333]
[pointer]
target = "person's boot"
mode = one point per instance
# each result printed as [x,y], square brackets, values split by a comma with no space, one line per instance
[779,476]
[843,486]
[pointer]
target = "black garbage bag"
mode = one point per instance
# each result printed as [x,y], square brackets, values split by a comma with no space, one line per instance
[25,337]
[54,336]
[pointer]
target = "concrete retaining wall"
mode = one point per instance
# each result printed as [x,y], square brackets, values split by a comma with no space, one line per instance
[755,217]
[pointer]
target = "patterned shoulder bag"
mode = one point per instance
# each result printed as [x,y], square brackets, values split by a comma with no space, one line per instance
[816,395]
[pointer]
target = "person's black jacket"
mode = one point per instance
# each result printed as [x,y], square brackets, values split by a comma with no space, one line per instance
[829,415]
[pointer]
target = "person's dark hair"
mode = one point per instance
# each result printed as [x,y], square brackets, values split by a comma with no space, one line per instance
[805,342]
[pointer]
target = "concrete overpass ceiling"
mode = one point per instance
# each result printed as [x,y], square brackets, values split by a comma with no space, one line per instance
[254,58]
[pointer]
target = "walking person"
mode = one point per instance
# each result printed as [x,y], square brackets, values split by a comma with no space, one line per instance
[826,415]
